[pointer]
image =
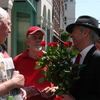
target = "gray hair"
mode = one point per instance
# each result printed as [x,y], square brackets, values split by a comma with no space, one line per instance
[28,36]
[3,14]
[93,35]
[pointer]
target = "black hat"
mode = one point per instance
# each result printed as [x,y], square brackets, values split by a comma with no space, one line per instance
[86,21]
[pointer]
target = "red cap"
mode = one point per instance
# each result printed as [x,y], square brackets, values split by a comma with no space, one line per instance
[34,29]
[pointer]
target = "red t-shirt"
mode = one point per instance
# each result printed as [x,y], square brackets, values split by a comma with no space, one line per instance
[25,65]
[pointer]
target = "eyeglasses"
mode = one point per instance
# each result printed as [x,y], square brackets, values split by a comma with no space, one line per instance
[36,38]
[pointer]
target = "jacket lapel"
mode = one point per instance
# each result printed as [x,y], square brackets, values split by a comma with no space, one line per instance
[89,54]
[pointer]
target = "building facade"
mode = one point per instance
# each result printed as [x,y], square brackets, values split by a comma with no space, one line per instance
[69,11]
[44,18]
[24,14]
[58,17]
[47,14]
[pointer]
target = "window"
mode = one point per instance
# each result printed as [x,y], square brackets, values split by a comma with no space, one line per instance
[23,23]
[71,0]
[48,35]
[65,19]
[66,0]
[65,6]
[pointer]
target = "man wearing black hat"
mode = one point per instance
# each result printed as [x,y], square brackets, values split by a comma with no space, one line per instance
[84,33]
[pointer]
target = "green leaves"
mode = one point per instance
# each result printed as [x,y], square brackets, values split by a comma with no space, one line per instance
[41,80]
[37,67]
[59,65]
[10,98]
[74,52]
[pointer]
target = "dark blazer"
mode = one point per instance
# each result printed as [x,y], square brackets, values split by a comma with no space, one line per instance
[88,86]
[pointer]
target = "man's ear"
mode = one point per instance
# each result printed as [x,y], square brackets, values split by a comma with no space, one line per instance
[27,40]
[86,32]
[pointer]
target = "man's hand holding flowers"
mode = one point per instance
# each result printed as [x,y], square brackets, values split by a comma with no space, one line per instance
[59,65]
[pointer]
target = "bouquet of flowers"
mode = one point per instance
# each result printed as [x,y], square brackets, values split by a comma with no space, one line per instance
[59,65]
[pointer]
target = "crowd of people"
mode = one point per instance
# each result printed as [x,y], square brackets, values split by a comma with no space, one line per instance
[85,34]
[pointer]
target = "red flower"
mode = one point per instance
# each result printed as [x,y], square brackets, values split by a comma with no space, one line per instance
[43,43]
[58,98]
[49,44]
[66,44]
[36,63]
[58,62]
[53,44]
[48,59]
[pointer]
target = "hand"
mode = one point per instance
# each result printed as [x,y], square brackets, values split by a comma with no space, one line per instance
[23,94]
[45,92]
[17,79]
[30,94]
[67,97]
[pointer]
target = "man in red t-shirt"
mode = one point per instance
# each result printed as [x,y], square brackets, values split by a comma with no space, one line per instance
[26,62]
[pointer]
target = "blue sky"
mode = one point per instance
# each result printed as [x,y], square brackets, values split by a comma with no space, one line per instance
[88,7]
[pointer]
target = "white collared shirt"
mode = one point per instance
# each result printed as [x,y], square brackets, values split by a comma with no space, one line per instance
[84,52]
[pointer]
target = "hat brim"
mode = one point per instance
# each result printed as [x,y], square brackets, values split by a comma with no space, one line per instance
[42,31]
[70,27]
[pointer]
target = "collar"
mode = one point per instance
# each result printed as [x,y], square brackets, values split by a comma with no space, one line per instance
[84,52]
[26,55]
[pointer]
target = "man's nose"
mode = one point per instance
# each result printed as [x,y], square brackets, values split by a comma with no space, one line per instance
[71,35]
[9,29]
[38,40]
